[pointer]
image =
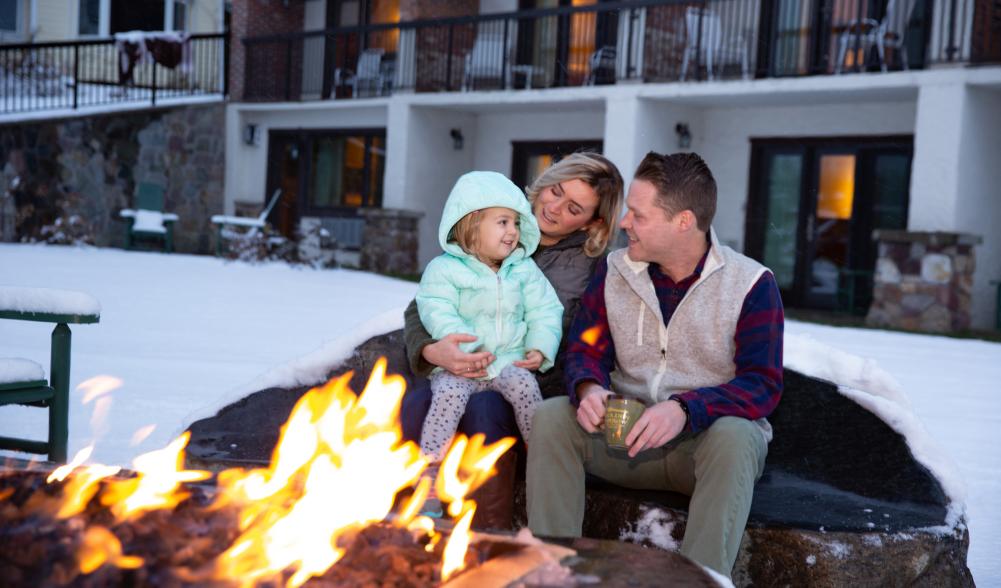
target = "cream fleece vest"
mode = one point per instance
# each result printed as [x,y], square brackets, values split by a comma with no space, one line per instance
[696,348]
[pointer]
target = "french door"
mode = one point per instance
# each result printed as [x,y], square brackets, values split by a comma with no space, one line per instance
[813,206]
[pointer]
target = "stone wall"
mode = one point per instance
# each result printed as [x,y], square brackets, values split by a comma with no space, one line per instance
[923,281]
[87,168]
[389,240]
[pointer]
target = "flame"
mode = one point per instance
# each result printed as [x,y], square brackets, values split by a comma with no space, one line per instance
[454,557]
[338,466]
[59,474]
[157,484]
[100,546]
[590,336]
[98,386]
[141,434]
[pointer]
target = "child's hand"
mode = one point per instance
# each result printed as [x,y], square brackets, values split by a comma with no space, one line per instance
[533,360]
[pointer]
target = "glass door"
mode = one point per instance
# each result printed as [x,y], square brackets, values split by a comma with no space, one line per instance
[813,206]
[284,154]
[828,225]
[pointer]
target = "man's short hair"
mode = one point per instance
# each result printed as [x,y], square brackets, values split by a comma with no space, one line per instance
[683,182]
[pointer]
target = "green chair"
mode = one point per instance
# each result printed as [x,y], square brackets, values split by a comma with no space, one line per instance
[148,220]
[22,381]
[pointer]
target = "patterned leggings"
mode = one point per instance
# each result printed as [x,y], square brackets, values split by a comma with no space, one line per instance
[449,394]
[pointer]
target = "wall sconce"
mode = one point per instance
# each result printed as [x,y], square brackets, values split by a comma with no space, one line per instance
[250,134]
[684,135]
[457,139]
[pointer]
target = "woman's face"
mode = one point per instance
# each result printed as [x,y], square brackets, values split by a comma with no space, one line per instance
[562,209]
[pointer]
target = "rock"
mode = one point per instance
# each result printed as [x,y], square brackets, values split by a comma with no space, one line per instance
[842,500]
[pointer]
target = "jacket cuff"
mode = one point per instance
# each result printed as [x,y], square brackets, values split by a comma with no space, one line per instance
[698,414]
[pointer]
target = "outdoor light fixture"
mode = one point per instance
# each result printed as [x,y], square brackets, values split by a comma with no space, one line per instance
[457,139]
[684,135]
[250,134]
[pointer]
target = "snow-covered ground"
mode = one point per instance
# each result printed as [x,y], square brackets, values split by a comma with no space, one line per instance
[187,335]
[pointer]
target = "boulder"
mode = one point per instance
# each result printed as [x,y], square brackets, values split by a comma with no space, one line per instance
[842,501]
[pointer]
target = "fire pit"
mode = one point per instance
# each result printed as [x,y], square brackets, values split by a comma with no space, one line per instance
[337,506]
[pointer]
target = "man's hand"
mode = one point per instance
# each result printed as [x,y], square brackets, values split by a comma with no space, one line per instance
[656,426]
[533,360]
[591,411]
[446,354]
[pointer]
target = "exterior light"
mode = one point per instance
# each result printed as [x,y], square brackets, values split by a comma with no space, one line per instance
[684,135]
[457,139]
[250,134]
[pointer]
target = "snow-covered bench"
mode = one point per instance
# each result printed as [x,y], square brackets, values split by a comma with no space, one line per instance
[22,381]
[225,224]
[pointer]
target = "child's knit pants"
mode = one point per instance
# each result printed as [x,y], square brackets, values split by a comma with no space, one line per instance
[449,394]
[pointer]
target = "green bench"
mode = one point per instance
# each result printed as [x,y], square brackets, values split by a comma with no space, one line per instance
[22,381]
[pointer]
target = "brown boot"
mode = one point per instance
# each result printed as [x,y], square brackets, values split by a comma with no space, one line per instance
[495,498]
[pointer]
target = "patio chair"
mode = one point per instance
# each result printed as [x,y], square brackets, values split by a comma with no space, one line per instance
[22,381]
[227,226]
[601,67]
[704,39]
[148,220]
[486,61]
[370,76]
[866,33]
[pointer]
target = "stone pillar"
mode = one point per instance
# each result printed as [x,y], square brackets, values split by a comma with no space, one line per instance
[923,280]
[389,240]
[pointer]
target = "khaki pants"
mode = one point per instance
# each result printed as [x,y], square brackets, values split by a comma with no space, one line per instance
[717,468]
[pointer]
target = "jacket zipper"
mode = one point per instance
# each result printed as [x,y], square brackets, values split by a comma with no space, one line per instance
[500,326]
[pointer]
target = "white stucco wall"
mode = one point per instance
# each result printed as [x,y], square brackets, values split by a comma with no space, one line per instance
[432,166]
[978,196]
[495,131]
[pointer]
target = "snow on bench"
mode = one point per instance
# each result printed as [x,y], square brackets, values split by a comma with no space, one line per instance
[47,301]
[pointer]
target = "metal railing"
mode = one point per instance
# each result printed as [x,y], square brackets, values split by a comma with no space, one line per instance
[97,72]
[642,40]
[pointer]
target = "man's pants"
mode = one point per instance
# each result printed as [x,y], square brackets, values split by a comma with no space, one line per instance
[716,467]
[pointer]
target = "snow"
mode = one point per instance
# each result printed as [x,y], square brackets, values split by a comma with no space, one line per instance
[188,335]
[654,526]
[149,221]
[17,369]
[46,300]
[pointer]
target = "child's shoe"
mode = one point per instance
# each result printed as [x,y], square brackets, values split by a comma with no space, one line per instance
[432,504]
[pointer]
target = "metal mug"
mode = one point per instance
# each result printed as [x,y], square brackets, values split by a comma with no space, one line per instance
[621,413]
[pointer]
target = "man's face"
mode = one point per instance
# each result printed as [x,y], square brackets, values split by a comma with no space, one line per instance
[651,232]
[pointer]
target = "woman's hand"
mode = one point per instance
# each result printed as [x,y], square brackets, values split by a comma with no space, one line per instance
[447,355]
[533,360]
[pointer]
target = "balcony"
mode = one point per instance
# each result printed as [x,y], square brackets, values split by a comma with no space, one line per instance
[608,43]
[128,71]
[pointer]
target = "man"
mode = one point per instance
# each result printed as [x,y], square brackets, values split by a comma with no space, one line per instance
[693,329]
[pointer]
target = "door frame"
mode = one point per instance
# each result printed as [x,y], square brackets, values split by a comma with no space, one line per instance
[862,220]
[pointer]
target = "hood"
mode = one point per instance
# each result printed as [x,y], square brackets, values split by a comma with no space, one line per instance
[485,189]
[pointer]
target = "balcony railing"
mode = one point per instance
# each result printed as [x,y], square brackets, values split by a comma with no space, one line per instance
[102,72]
[649,41]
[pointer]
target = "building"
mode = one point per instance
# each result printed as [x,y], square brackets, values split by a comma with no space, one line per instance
[823,120]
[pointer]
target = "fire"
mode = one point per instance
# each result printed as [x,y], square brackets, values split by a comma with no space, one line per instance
[338,467]
[590,336]
[100,546]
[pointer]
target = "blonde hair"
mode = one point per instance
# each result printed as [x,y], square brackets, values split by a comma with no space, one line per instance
[466,232]
[601,174]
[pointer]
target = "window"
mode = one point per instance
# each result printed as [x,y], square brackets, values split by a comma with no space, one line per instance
[9,16]
[342,176]
[137,15]
[89,19]
[177,15]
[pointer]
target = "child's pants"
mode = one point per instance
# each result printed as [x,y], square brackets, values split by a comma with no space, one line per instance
[449,394]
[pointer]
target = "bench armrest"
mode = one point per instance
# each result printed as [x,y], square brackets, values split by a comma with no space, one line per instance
[48,305]
[237,221]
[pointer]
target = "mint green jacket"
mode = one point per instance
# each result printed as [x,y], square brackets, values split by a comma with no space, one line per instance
[510,311]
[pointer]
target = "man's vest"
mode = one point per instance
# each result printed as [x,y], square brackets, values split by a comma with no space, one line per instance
[696,348]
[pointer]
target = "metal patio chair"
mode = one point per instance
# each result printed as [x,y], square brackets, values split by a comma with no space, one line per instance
[704,40]
[887,33]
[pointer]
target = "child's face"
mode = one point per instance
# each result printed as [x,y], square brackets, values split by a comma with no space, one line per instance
[498,235]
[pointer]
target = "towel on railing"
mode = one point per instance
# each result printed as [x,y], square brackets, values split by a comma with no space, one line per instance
[167,48]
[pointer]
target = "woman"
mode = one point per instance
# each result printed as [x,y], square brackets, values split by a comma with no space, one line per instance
[577,202]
